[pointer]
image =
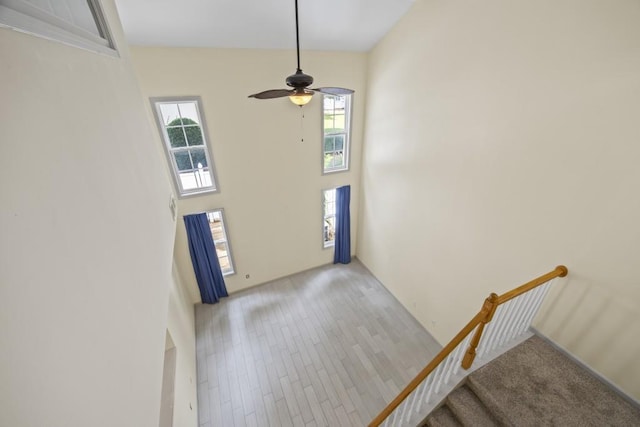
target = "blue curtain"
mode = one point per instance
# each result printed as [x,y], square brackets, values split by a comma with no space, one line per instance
[342,248]
[204,258]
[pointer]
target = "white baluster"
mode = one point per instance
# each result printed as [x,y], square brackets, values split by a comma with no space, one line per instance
[446,362]
[518,310]
[531,309]
[500,325]
[518,301]
[522,310]
[427,383]
[416,395]
[455,358]
[395,416]
[506,317]
[528,298]
[535,295]
[405,407]
[433,383]
[410,400]
[506,336]
[485,342]
[463,347]
[489,333]
[538,302]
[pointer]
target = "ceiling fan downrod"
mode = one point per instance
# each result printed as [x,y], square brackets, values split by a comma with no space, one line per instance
[297,38]
[299,82]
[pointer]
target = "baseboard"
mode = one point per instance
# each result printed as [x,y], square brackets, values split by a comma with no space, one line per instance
[587,368]
[353,257]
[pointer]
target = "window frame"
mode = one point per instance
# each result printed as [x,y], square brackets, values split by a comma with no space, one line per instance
[22,16]
[227,241]
[328,244]
[168,150]
[347,135]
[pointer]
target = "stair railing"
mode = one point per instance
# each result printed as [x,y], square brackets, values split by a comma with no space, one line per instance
[502,318]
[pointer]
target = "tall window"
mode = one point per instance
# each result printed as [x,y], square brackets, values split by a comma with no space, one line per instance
[336,121]
[329,217]
[74,22]
[183,129]
[219,233]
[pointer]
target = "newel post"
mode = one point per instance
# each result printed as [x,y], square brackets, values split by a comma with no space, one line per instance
[487,311]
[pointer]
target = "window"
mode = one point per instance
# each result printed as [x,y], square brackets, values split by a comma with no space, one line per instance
[79,23]
[219,233]
[183,131]
[336,126]
[329,217]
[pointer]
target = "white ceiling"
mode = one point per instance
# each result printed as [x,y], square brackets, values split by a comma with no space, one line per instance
[346,25]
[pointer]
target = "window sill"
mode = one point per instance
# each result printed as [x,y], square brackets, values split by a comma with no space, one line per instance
[198,193]
[332,171]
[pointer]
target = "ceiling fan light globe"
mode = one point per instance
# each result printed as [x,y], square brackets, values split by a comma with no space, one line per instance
[301,99]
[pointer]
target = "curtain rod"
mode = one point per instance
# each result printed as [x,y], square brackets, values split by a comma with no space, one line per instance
[205,212]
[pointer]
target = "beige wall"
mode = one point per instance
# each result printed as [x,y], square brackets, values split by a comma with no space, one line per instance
[270,182]
[181,326]
[87,237]
[502,139]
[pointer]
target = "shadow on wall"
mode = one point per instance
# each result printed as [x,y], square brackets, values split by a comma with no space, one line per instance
[598,327]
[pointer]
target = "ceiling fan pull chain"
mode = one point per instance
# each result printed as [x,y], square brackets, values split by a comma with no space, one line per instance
[301,124]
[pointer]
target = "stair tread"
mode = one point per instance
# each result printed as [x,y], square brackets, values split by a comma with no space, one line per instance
[488,401]
[442,417]
[534,384]
[469,409]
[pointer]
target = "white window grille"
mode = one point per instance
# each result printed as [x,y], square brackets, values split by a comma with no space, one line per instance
[183,130]
[336,124]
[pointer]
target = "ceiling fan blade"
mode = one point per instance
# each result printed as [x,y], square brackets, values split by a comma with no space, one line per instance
[273,93]
[334,90]
[300,82]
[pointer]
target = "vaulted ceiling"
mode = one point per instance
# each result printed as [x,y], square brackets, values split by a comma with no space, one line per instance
[341,25]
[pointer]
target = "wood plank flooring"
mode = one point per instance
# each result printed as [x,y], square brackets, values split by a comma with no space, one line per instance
[325,347]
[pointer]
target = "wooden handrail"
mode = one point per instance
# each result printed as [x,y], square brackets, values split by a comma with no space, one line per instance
[559,271]
[483,317]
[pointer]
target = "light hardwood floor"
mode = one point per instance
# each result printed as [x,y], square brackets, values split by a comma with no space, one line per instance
[325,347]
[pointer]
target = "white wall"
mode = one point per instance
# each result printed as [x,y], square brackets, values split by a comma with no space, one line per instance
[87,237]
[502,140]
[270,182]
[181,326]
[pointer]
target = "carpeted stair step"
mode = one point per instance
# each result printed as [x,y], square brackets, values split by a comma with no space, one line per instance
[442,417]
[534,384]
[484,395]
[469,409]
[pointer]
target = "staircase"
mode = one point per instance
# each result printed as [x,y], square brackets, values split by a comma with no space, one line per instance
[496,372]
[534,385]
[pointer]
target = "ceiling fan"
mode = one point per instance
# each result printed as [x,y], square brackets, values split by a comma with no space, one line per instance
[300,94]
